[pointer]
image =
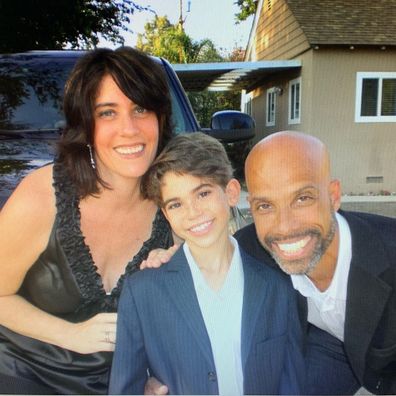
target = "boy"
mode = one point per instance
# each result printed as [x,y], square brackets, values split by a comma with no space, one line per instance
[213,320]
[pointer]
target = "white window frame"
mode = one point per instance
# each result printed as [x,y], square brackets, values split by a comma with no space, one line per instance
[360,76]
[295,82]
[270,117]
[246,102]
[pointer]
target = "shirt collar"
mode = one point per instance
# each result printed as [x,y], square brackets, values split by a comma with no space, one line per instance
[235,272]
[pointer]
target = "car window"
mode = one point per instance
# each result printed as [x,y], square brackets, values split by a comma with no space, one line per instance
[178,117]
[31,92]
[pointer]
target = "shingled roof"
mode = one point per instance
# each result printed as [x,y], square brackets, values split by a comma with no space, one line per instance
[346,22]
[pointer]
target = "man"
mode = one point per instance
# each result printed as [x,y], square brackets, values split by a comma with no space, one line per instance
[343,263]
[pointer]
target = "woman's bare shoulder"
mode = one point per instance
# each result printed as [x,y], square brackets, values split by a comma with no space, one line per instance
[28,215]
[33,199]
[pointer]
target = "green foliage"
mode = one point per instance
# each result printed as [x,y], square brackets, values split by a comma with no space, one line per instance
[206,103]
[161,38]
[247,7]
[51,24]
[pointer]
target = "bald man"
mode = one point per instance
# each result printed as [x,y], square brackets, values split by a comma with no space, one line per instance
[343,263]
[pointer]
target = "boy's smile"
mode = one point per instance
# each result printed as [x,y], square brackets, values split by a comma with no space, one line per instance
[202,228]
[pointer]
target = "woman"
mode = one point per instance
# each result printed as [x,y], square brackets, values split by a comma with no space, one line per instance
[72,230]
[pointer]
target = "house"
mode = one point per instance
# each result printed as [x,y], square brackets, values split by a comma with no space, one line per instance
[345,90]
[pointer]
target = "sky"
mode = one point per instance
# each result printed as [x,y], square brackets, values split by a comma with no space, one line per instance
[213,19]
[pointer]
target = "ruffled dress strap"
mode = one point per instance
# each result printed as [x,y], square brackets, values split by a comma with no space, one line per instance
[71,239]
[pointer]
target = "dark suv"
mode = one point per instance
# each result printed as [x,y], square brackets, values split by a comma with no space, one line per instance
[31,119]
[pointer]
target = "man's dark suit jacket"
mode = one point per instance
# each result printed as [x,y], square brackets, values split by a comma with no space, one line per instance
[160,327]
[370,322]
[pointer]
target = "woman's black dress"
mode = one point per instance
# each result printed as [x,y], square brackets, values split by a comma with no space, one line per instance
[64,282]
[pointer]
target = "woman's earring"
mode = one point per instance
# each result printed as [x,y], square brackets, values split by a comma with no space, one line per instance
[91,156]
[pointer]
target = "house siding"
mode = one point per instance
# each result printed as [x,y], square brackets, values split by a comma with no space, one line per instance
[358,150]
[282,109]
[328,86]
[278,34]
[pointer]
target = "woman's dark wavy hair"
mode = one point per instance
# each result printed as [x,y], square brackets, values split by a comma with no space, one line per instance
[139,77]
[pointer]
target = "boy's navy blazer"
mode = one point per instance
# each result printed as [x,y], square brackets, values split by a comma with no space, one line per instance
[161,328]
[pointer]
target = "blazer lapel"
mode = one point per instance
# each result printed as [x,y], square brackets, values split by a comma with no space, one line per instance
[182,291]
[255,292]
[367,294]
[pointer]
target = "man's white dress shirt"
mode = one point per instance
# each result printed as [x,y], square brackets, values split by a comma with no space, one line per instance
[326,310]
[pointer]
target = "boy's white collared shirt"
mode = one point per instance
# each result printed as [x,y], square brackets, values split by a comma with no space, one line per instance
[222,314]
[326,310]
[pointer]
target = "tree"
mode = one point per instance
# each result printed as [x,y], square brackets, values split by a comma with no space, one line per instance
[49,24]
[247,7]
[162,38]
[206,103]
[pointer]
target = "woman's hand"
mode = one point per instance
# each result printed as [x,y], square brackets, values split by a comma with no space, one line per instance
[157,257]
[94,335]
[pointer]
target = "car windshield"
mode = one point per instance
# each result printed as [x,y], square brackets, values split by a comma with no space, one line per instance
[31,91]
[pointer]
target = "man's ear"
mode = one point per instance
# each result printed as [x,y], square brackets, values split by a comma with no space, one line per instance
[233,191]
[335,194]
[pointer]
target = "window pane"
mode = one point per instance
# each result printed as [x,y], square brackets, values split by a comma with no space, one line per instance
[293,103]
[388,104]
[270,107]
[248,106]
[297,107]
[369,97]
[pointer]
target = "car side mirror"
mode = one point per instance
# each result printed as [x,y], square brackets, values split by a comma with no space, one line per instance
[231,126]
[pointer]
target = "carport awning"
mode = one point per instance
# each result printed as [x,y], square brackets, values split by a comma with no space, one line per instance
[229,75]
